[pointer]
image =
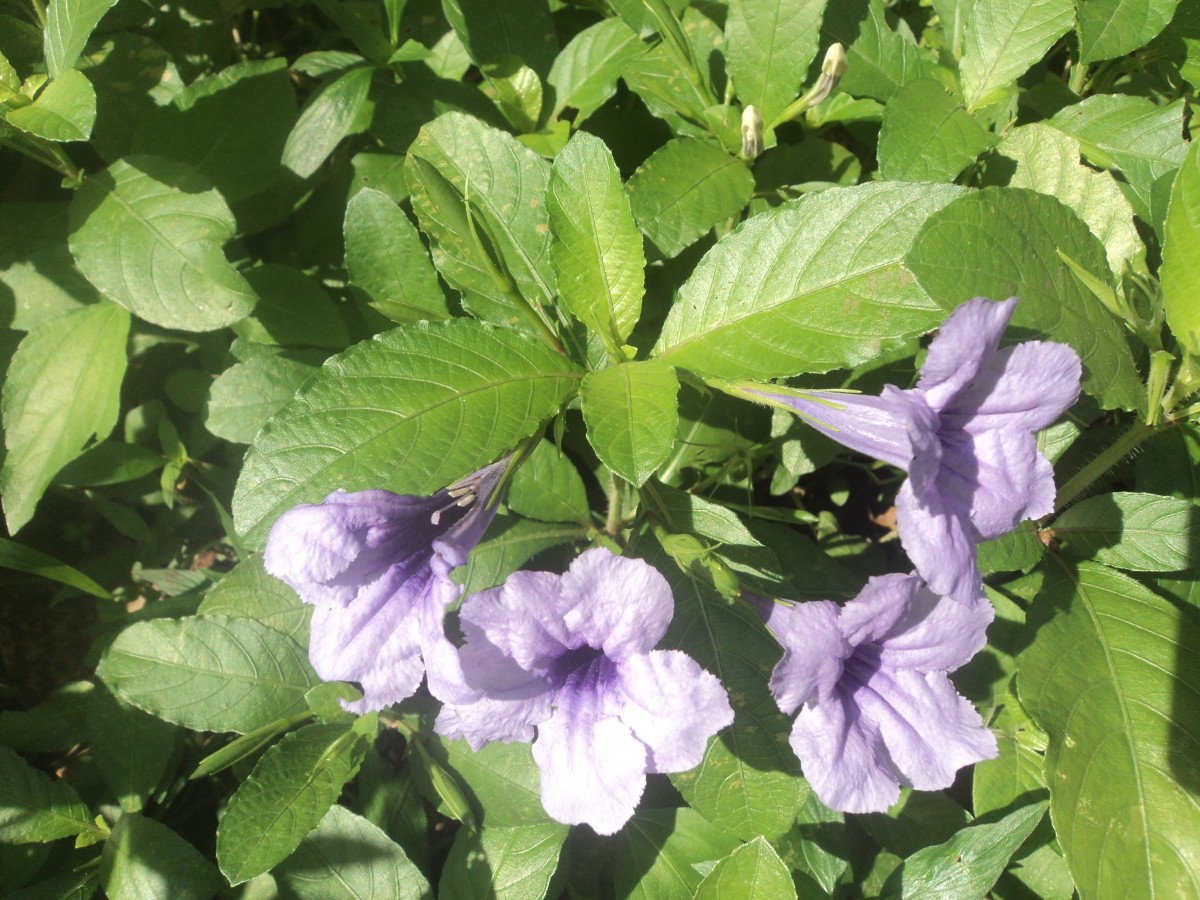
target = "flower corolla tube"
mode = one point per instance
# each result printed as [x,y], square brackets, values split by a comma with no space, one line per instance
[572,656]
[876,708]
[964,434]
[376,567]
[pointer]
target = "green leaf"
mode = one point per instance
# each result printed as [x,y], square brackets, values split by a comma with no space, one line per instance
[69,24]
[63,387]
[722,535]
[818,844]
[597,250]
[518,92]
[1114,678]
[208,673]
[968,865]
[584,75]
[1004,242]
[144,858]
[685,188]
[659,850]
[503,863]
[231,126]
[109,462]
[749,782]
[1139,532]
[1004,38]
[753,871]
[631,416]
[148,232]
[330,115]
[64,111]
[510,543]
[813,285]
[347,856]
[293,310]
[248,592]
[480,195]
[386,258]
[1047,161]
[927,135]
[133,751]
[1111,28]
[919,819]
[494,29]
[1181,254]
[880,60]
[1017,551]
[1144,141]
[54,724]
[547,486]
[502,782]
[470,391]
[34,807]
[286,796]
[1016,772]
[26,559]
[36,266]
[247,394]
[391,800]
[770,45]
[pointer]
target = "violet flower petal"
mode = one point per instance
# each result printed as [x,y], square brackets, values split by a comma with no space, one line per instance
[843,757]
[892,717]
[810,670]
[962,347]
[593,768]
[1024,387]
[870,425]
[672,706]
[376,565]
[929,730]
[940,541]
[621,623]
[935,634]
[523,618]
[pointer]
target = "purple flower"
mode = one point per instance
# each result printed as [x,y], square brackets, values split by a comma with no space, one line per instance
[965,435]
[376,566]
[878,709]
[572,656]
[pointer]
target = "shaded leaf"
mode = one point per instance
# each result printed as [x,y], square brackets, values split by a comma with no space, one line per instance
[347,856]
[1139,532]
[1114,678]
[1004,242]
[286,796]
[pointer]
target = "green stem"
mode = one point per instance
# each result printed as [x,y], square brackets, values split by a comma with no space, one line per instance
[612,525]
[1086,477]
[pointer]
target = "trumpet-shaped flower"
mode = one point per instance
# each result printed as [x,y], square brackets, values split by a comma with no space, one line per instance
[869,679]
[964,434]
[572,657]
[376,567]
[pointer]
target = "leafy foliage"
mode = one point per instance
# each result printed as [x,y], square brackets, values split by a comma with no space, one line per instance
[252,255]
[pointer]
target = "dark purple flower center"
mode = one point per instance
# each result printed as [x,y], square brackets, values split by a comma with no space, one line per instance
[582,669]
[863,663]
